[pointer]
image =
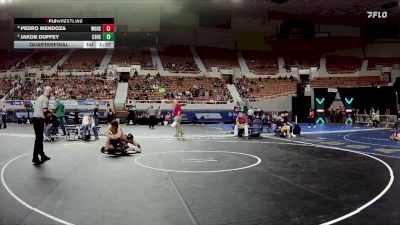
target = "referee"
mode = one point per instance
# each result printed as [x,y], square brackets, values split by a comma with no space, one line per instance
[39,110]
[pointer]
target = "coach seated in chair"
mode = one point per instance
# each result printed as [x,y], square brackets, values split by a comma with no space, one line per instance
[242,123]
[88,124]
[51,127]
[396,135]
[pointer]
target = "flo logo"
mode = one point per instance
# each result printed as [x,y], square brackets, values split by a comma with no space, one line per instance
[377,14]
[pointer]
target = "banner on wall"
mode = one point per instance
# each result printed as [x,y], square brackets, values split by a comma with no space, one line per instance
[216,116]
[199,116]
[211,116]
[65,102]
[20,114]
[14,102]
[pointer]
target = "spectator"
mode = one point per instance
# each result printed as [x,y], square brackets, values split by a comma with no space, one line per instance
[69,88]
[110,113]
[241,123]
[250,113]
[132,114]
[167,119]
[286,125]
[76,116]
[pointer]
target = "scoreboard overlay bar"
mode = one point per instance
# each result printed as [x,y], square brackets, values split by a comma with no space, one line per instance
[36,33]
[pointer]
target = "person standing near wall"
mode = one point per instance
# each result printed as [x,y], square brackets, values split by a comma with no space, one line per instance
[96,114]
[177,114]
[4,114]
[110,113]
[60,114]
[151,113]
[40,109]
[250,113]
[311,118]
[159,116]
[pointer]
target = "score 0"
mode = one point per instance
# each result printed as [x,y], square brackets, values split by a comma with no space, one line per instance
[108,27]
[108,32]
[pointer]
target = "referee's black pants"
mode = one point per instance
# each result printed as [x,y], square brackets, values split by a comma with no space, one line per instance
[38,126]
[4,119]
[152,121]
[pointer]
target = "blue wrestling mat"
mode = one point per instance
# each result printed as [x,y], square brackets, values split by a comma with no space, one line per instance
[357,138]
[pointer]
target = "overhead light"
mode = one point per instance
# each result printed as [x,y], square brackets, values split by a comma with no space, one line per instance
[2,2]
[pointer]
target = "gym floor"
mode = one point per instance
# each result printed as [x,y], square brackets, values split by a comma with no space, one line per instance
[330,174]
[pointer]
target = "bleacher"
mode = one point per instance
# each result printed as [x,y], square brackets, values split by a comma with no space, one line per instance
[27,91]
[386,62]
[83,88]
[9,59]
[5,86]
[301,61]
[262,88]
[261,63]
[43,58]
[218,57]
[343,64]
[183,88]
[339,82]
[178,59]
[84,60]
[132,56]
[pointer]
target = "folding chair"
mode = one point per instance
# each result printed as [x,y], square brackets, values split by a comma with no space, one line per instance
[256,128]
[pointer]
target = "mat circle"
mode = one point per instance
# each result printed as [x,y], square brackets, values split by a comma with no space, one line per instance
[197,171]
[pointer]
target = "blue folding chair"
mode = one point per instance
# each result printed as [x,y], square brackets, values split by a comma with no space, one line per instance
[256,128]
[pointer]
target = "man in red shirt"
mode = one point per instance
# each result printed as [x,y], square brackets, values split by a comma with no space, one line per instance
[241,123]
[177,114]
